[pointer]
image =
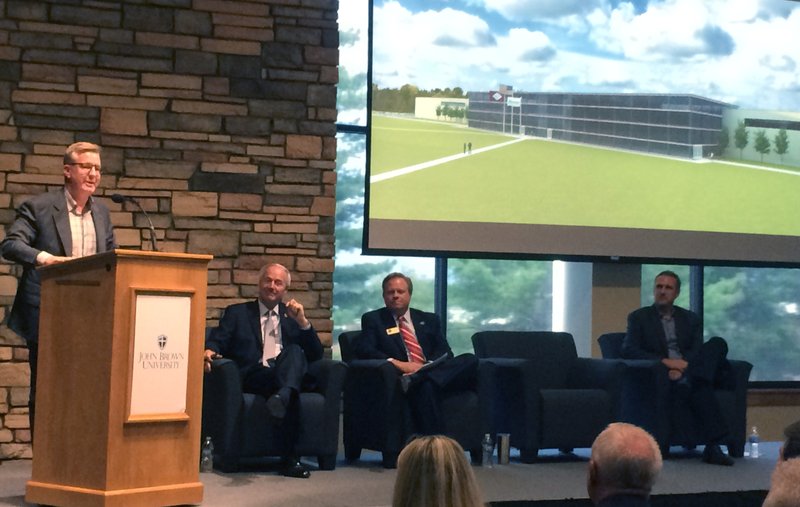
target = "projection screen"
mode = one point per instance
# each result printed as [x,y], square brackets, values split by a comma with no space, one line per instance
[646,130]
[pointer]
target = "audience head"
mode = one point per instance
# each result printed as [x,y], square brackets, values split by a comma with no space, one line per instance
[397,289]
[784,489]
[625,461]
[273,282]
[432,471]
[791,448]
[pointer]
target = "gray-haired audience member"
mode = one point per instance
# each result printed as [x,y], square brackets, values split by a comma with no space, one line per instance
[623,468]
[784,489]
[791,448]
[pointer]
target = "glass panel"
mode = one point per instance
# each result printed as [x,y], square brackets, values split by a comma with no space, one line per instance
[758,312]
[357,278]
[496,295]
[351,95]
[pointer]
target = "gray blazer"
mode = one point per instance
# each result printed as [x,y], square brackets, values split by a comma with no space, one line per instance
[42,224]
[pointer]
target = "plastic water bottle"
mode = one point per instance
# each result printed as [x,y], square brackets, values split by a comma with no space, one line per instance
[207,456]
[753,441]
[488,450]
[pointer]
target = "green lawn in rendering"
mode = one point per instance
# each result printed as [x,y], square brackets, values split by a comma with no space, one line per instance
[536,181]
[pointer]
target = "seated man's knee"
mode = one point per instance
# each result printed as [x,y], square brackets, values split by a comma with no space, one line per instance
[717,343]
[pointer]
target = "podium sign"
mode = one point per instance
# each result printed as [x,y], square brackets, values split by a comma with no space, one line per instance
[160,356]
[119,393]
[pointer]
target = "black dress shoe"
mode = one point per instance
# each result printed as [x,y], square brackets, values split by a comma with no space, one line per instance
[294,468]
[713,455]
[276,406]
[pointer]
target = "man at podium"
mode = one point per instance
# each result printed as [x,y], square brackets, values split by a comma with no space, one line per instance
[272,342]
[55,227]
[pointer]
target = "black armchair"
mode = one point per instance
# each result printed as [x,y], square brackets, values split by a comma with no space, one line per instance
[547,396]
[238,422]
[646,400]
[376,414]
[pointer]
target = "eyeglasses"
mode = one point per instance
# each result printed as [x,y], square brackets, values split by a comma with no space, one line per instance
[86,166]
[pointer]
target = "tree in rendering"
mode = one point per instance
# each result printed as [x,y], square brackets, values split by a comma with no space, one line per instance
[762,144]
[781,143]
[740,137]
[724,140]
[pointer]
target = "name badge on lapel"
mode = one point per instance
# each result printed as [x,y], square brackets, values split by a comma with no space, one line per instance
[392,330]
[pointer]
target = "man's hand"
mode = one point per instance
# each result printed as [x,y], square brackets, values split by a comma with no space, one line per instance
[675,364]
[297,312]
[208,357]
[405,366]
[52,259]
[675,374]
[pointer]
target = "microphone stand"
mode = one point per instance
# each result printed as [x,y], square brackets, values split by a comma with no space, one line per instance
[119,199]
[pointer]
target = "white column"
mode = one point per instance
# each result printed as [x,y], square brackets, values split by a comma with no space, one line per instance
[572,302]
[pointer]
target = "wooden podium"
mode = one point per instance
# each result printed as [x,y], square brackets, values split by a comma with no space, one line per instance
[119,391]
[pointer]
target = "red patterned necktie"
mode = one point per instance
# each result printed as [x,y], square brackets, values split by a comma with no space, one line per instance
[415,354]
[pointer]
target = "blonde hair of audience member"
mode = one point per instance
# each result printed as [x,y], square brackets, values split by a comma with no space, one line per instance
[625,461]
[784,489]
[432,471]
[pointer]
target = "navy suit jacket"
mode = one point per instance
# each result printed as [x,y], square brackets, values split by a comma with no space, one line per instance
[238,336]
[377,343]
[42,224]
[645,338]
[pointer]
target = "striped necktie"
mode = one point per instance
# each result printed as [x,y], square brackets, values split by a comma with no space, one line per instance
[415,354]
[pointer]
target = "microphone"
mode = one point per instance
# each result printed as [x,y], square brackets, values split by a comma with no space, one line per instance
[119,199]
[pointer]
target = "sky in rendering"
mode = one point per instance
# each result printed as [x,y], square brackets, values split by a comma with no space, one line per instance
[743,52]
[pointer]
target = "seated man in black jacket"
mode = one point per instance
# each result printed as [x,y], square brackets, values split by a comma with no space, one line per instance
[674,336]
[409,339]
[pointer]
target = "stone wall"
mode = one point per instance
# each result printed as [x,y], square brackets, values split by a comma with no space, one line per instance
[217,115]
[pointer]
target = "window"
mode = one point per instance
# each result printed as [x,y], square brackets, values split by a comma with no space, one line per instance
[496,295]
[757,310]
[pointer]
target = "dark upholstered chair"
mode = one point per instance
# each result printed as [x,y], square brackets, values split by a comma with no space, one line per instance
[547,396]
[646,401]
[238,423]
[376,414]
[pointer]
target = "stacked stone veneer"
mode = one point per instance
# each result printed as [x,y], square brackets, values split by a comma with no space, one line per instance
[217,115]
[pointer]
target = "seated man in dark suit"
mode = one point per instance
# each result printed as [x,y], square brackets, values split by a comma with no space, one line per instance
[409,338]
[272,343]
[674,336]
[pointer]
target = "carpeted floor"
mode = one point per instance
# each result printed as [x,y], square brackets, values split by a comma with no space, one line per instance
[367,484]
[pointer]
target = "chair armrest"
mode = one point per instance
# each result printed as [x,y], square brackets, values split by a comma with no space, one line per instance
[329,376]
[487,375]
[505,362]
[590,373]
[517,403]
[741,373]
[222,405]
[222,386]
